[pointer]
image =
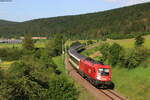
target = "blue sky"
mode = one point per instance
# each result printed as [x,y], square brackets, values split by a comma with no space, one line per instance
[22,10]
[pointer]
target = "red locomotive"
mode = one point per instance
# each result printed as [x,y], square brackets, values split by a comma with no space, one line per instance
[95,72]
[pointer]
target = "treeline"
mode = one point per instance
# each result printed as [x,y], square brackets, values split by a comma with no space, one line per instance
[34,76]
[6,23]
[117,23]
[116,55]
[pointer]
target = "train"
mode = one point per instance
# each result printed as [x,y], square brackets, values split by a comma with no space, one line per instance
[95,72]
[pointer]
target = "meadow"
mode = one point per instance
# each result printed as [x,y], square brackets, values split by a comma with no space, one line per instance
[129,43]
[134,83]
[38,44]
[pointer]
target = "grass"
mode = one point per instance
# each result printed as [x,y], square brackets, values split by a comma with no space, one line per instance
[6,64]
[6,45]
[38,44]
[129,43]
[88,52]
[84,95]
[132,83]
[59,61]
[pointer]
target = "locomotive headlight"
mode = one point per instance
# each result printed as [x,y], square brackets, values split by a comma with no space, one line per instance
[98,77]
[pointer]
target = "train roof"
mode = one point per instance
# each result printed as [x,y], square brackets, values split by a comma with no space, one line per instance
[93,61]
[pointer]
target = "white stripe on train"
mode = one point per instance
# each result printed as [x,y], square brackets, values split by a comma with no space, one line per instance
[73,56]
[74,64]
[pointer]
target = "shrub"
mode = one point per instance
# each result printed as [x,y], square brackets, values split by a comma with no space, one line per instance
[61,89]
[10,54]
[89,42]
[115,54]
[104,49]
[135,57]
[54,46]
[139,40]
[35,79]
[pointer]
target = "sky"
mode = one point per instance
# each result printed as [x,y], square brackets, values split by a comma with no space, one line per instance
[23,10]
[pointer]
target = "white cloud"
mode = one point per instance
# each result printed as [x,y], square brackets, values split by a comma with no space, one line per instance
[128,2]
[131,2]
[111,0]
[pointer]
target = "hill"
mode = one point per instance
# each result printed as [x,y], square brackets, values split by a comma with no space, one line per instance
[6,23]
[117,23]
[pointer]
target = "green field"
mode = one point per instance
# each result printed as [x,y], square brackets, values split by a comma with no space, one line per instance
[6,45]
[129,43]
[134,84]
[38,44]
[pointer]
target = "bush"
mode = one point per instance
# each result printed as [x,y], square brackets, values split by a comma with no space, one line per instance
[135,57]
[89,42]
[62,89]
[104,49]
[34,78]
[115,54]
[54,46]
[131,58]
[139,40]
[10,54]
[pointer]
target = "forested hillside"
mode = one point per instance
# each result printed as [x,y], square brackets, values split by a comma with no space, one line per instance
[116,23]
[6,23]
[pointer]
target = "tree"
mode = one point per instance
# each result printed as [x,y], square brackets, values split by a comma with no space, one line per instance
[28,42]
[54,46]
[104,49]
[135,57]
[115,53]
[139,40]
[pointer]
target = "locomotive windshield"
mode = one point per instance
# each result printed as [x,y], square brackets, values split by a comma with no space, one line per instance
[103,71]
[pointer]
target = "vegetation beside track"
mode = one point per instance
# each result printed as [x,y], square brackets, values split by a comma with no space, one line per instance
[34,60]
[34,75]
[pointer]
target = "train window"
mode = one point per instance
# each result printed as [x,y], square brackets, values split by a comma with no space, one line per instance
[103,71]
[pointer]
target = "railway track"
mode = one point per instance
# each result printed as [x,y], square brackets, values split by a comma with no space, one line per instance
[112,95]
